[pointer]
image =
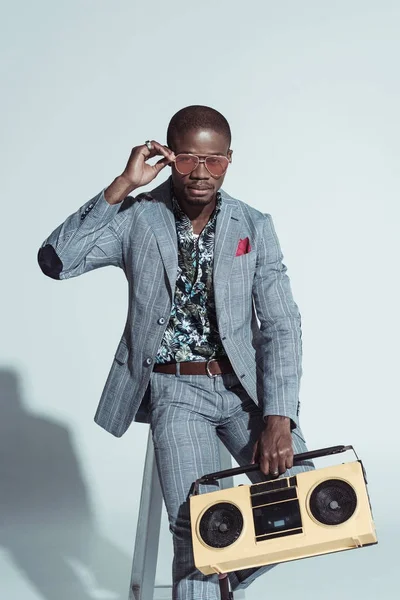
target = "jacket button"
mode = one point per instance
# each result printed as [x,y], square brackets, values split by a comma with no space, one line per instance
[161,321]
[149,361]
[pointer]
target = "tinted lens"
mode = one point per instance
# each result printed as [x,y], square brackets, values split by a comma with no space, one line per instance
[185,163]
[217,165]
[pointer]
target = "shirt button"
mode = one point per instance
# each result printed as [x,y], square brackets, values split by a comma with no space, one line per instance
[149,361]
[161,321]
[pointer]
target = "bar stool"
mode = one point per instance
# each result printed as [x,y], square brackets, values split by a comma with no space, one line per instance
[142,586]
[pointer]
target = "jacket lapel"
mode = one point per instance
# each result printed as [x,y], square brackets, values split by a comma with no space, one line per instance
[161,219]
[226,240]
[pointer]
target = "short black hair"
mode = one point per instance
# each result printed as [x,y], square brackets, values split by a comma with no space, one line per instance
[198,117]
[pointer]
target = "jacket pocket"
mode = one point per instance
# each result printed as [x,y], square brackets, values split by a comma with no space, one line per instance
[122,353]
[246,254]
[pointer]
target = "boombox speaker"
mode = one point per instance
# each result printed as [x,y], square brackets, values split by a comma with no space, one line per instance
[315,512]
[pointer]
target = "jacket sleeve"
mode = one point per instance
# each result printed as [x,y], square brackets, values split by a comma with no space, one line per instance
[280,327]
[88,239]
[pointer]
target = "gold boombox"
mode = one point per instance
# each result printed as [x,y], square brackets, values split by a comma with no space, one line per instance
[315,512]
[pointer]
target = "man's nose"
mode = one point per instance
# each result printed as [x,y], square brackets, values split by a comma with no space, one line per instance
[200,172]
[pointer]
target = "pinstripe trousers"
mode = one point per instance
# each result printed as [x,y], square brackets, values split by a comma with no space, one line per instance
[187,413]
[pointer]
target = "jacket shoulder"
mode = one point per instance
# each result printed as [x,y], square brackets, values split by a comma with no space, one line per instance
[246,210]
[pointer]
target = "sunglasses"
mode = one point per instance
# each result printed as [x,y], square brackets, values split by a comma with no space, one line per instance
[215,165]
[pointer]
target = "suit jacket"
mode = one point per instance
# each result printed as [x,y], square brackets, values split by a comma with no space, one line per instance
[258,320]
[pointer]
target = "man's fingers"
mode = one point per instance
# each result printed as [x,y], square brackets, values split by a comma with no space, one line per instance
[274,464]
[282,463]
[255,449]
[157,150]
[163,162]
[289,460]
[170,154]
[265,465]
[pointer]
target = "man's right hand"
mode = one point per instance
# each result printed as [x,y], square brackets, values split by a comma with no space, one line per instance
[137,172]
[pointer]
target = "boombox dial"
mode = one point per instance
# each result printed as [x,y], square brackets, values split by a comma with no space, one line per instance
[221,525]
[333,502]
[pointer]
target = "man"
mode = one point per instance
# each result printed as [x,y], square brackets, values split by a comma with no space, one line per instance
[212,343]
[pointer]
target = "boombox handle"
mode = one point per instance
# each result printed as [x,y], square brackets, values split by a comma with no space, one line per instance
[212,477]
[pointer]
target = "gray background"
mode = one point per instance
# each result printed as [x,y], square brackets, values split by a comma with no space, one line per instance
[311,90]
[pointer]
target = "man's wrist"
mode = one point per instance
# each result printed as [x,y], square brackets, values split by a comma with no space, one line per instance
[118,190]
[277,421]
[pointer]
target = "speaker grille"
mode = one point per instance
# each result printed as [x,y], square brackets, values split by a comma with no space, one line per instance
[221,525]
[333,502]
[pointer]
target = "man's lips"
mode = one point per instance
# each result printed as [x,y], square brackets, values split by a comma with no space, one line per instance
[199,187]
[197,190]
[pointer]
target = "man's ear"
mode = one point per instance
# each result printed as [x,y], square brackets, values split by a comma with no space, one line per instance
[230,152]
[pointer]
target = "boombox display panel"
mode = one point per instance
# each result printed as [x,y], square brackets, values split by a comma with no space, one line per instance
[315,512]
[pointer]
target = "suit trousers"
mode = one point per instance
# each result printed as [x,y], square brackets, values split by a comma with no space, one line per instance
[187,414]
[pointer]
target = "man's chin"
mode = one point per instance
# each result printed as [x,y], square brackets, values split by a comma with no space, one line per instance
[194,200]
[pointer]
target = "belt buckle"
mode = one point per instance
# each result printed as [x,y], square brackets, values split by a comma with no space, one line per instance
[209,374]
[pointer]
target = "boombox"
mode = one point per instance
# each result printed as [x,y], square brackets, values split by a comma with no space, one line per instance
[315,512]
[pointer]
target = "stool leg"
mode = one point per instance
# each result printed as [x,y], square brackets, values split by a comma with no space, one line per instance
[148,531]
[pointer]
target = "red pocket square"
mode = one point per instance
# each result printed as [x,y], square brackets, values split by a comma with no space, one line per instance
[243,247]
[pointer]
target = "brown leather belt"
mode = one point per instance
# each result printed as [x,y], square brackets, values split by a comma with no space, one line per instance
[212,367]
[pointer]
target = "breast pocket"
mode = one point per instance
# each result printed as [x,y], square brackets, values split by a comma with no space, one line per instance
[243,269]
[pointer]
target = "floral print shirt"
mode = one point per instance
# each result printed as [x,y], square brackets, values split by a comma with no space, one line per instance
[192,332]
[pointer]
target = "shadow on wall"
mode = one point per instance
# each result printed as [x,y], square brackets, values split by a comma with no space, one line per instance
[46,524]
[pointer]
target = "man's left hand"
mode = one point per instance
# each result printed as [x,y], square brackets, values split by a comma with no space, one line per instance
[274,449]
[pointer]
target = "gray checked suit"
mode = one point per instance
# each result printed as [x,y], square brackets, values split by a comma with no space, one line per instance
[259,325]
